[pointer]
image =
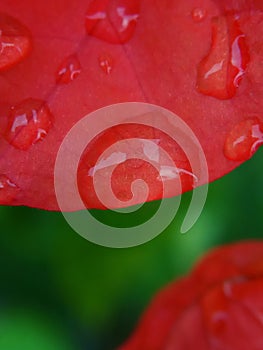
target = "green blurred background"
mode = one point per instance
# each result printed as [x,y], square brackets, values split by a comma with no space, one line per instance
[59,291]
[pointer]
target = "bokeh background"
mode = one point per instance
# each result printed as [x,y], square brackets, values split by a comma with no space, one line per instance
[59,291]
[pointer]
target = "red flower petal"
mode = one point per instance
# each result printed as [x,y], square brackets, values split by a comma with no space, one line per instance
[219,306]
[202,62]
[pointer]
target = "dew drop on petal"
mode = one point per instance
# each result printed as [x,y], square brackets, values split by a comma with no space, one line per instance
[244,139]
[215,311]
[113,160]
[15,41]
[198,14]
[112,21]
[169,173]
[69,70]
[8,190]
[106,63]
[151,150]
[220,73]
[218,322]
[28,123]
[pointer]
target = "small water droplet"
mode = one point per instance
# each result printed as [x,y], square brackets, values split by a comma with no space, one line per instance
[8,190]
[218,322]
[113,160]
[151,150]
[169,173]
[69,70]
[106,63]
[220,72]
[229,284]
[112,21]
[243,141]
[216,311]
[29,123]
[198,14]
[15,41]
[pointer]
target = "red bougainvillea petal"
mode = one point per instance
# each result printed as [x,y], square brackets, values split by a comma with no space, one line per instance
[218,307]
[60,61]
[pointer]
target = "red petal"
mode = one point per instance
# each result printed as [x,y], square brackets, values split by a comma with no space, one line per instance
[219,306]
[79,56]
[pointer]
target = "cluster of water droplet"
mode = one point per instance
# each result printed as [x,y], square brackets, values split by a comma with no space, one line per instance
[219,74]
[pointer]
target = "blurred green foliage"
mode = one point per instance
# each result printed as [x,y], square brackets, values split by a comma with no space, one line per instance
[59,291]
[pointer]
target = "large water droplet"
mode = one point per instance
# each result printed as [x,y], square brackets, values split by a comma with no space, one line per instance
[220,72]
[69,70]
[112,21]
[106,63]
[243,141]
[198,14]
[15,41]
[8,190]
[29,123]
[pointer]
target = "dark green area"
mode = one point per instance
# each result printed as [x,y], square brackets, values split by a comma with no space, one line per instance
[59,291]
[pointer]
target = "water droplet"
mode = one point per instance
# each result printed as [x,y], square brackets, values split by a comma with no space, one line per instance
[243,141]
[216,311]
[151,150]
[218,322]
[228,285]
[8,190]
[69,70]
[106,63]
[220,72]
[15,41]
[112,21]
[169,173]
[198,14]
[29,123]
[113,160]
